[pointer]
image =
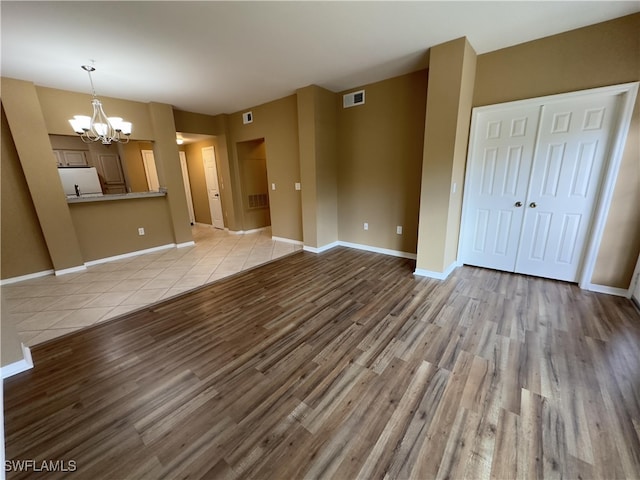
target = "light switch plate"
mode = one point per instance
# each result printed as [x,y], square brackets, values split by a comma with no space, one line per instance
[297,185]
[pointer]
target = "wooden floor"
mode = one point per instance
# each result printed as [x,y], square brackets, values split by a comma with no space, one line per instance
[343,365]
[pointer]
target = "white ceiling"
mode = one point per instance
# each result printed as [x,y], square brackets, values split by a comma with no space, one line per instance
[222,57]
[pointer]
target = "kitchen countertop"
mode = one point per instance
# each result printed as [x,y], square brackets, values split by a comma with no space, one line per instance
[115,196]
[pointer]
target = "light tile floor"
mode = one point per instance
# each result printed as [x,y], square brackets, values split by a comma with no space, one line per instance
[47,307]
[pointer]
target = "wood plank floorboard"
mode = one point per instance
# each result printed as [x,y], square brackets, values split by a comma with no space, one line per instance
[342,365]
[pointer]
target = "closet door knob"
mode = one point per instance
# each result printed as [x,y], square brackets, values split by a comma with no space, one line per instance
[518,204]
[533,205]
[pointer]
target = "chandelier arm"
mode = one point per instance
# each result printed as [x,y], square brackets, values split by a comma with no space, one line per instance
[99,128]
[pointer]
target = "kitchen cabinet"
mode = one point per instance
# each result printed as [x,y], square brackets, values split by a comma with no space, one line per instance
[71,158]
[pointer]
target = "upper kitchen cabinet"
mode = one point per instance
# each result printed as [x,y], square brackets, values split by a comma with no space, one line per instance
[70,151]
[71,158]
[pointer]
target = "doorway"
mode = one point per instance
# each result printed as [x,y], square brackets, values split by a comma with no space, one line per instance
[252,160]
[534,179]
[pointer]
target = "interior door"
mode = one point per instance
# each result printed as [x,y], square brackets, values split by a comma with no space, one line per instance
[573,144]
[112,174]
[187,186]
[213,190]
[501,152]
[150,171]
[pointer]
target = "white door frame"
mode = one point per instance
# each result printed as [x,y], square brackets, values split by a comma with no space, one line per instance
[628,93]
[213,184]
[634,288]
[187,186]
[150,170]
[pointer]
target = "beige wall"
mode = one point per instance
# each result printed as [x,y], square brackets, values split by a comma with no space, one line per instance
[452,68]
[134,166]
[107,229]
[23,248]
[67,142]
[317,127]
[379,163]
[58,106]
[603,54]
[277,123]
[31,139]
[167,160]
[252,162]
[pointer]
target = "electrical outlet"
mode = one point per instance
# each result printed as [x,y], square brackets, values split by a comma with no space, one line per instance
[366,226]
[297,186]
[399,229]
[141,231]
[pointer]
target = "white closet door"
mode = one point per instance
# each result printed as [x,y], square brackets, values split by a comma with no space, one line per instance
[501,154]
[573,144]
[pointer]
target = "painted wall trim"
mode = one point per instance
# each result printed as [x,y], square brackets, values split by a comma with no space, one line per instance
[64,271]
[385,251]
[359,246]
[21,365]
[185,244]
[22,278]
[287,240]
[129,255]
[321,249]
[629,93]
[421,272]
[619,292]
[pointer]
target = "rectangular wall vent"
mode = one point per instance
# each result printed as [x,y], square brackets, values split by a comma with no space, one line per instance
[352,99]
[260,200]
[247,117]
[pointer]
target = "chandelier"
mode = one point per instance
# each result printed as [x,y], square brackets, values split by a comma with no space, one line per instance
[99,127]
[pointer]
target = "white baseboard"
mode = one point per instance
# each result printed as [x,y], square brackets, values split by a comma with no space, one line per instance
[421,272]
[619,292]
[385,251]
[21,365]
[186,244]
[22,278]
[359,246]
[130,254]
[286,240]
[65,271]
[321,249]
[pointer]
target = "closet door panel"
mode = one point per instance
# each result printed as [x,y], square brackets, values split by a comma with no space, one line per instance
[571,151]
[500,162]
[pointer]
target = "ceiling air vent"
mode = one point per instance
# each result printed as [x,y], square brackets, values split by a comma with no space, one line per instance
[352,99]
